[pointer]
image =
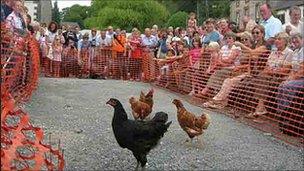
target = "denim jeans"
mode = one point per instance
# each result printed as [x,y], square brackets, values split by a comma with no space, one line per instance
[287,91]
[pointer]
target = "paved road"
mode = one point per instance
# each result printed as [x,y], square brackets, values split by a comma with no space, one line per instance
[74,110]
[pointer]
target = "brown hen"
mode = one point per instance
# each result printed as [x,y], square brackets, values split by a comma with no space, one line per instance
[140,110]
[191,124]
[148,98]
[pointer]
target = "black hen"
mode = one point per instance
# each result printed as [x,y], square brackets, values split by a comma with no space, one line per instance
[138,136]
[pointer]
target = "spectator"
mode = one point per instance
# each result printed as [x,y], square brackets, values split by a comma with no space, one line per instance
[220,100]
[149,42]
[84,55]
[211,34]
[278,66]
[52,31]
[224,66]
[135,54]
[28,24]
[162,45]
[57,51]
[271,24]
[110,32]
[15,19]
[295,25]
[224,26]
[195,55]
[6,9]
[192,22]
[247,24]
[94,38]
[288,89]
[78,33]
[104,39]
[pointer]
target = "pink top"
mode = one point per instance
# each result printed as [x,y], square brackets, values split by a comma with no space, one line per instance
[195,55]
[57,51]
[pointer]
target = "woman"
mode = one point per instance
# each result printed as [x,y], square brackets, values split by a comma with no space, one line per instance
[224,66]
[277,68]
[220,100]
[135,54]
[290,89]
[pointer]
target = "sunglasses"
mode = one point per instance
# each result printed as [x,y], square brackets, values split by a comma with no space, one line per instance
[256,32]
[244,39]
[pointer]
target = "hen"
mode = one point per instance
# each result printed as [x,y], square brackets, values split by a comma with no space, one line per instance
[190,123]
[148,98]
[138,136]
[140,110]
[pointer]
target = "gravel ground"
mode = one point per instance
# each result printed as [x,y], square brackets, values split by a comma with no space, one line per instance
[74,110]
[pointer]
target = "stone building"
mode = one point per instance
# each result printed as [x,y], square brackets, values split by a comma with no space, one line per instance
[40,10]
[238,8]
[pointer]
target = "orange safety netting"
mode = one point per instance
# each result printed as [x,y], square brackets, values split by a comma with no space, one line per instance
[22,146]
[241,91]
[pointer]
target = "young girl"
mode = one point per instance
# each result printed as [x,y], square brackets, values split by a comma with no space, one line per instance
[164,64]
[192,21]
[195,55]
[57,51]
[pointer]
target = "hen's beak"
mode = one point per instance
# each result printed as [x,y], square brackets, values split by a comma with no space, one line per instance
[110,103]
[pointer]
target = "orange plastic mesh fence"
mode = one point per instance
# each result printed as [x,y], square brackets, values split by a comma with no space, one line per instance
[248,85]
[22,146]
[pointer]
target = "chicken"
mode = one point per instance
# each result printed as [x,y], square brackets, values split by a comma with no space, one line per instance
[140,110]
[148,98]
[138,136]
[191,124]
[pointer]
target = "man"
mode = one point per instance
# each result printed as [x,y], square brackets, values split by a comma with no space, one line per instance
[104,40]
[295,25]
[110,32]
[271,24]
[149,42]
[15,19]
[6,9]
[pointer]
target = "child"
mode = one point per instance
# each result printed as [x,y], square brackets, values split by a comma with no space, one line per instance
[57,51]
[214,49]
[192,21]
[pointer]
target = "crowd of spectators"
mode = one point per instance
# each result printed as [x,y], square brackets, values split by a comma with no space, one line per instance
[257,56]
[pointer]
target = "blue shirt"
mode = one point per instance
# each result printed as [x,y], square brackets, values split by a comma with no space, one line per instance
[272,27]
[150,41]
[213,36]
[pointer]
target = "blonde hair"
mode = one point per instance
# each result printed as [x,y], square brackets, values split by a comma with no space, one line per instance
[213,46]
[284,36]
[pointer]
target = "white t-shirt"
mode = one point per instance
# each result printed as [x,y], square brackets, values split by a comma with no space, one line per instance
[294,29]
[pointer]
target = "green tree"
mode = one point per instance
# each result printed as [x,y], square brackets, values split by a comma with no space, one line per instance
[204,8]
[76,13]
[56,16]
[178,19]
[127,14]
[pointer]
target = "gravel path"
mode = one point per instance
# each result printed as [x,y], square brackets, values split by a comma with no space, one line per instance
[74,110]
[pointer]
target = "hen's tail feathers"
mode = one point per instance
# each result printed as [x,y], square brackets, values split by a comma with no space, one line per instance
[160,117]
[207,119]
